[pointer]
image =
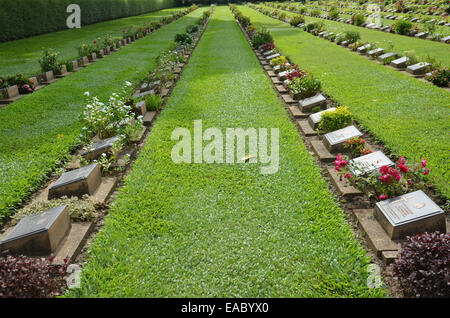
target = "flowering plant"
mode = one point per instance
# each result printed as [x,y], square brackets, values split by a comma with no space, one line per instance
[48,61]
[295,72]
[304,86]
[267,47]
[356,147]
[386,182]
[278,61]
[439,77]
[111,118]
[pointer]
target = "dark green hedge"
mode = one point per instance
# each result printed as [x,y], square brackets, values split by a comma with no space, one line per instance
[24,18]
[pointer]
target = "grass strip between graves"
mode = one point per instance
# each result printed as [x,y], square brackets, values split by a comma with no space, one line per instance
[21,56]
[224,230]
[422,48]
[411,117]
[39,130]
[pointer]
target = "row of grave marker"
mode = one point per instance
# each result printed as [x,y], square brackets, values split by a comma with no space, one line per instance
[45,233]
[398,217]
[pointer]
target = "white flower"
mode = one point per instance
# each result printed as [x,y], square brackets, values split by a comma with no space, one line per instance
[86,94]
[127,83]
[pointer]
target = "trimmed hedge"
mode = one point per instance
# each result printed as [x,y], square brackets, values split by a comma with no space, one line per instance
[25,18]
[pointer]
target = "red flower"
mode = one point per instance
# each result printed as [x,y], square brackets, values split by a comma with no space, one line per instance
[386,178]
[410,181]
[347,176]
[427,171]
[402,160]
[383,197]
[423,164]
[403,168]
[384,169]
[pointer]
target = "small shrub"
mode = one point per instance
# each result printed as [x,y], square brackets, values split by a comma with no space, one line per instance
[49,60]
[352,36]
[278,61]
[183,38]
[413,59]
[334,13]
[303,10]
[193,28]
[403,27]
[304,87]
[356,147]
[261,36]
[3,83]
[22,276]
[423,265]
[334,120]
[244,21]
[315,13]
[297,20]
[358,19]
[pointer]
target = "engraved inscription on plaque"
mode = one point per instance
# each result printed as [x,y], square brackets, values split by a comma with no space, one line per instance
[410,214]
[369,163]
[334,140]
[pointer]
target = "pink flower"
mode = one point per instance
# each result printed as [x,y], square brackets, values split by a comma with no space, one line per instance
[403,168]
[384,169]
[383,197]
[386,178]
[423,164]
[402,160]
[410,181]
[427,171]
[347,176]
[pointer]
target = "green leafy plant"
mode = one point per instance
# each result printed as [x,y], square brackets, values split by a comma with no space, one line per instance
[261,36]
[358,19]
[298,19]
[403,27]
[439,77]
[49,60]
[333,120]
[24,84]
[193,28]
[304,87]
[352,36]
[183,38]
[278,61]
[334,13]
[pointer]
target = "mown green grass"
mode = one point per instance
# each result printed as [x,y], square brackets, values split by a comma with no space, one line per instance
[22,56]
[39,130]
[422,48]
[224,230]
[411,117]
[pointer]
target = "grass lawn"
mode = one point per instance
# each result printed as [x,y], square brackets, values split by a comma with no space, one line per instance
[224,230]
[422,48]
[411,117]
[21,56]
[39,130]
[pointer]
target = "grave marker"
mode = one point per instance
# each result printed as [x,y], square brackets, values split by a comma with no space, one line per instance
[335,140]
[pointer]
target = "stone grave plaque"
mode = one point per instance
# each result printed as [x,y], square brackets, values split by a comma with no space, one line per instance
[414,19]
[335,140]
[375,52]
[409,214]
[400,62]
[141,107]
[39,234]
[421,35]
[446,39]
[363,49]
[387,56]
[368,163]
[307,104]
[442,22]
[269,52]
[385,28]
[314,119]
[100,147]
[283,75]
[419,68]
[344,43]
[273,56]
[84,180]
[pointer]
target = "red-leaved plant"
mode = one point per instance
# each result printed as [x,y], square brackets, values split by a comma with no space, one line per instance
[386,182]
[22,276]
[423,265]
[267,47]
